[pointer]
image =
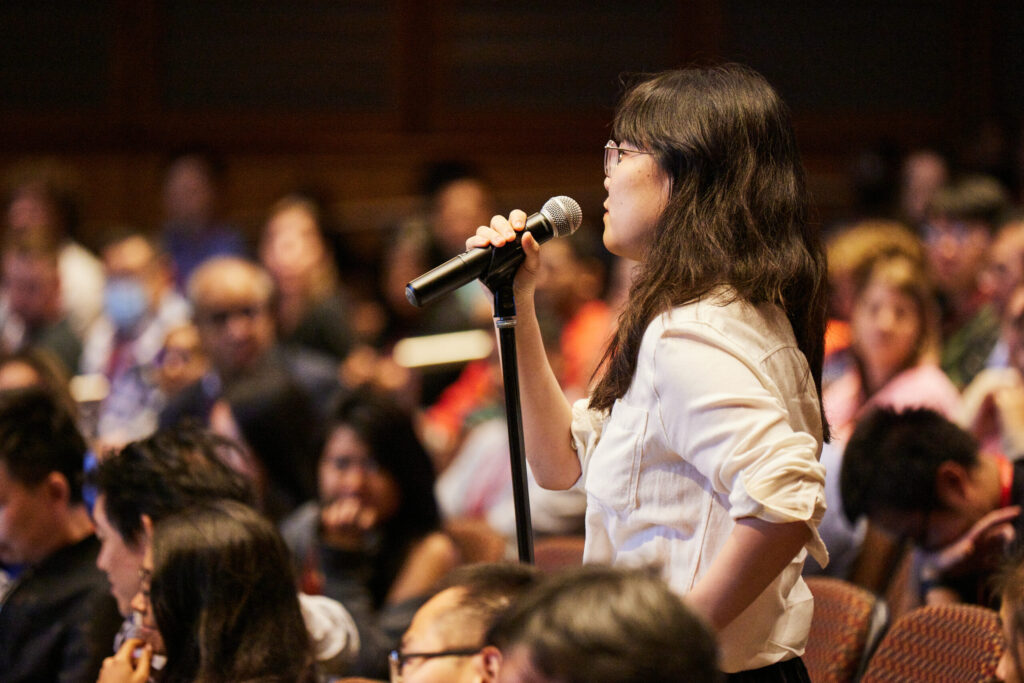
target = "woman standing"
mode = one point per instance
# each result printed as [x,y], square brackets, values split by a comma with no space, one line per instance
[698,447]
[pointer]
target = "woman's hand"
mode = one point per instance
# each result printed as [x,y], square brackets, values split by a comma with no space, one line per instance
[344,523]
[500,232]
[124,667]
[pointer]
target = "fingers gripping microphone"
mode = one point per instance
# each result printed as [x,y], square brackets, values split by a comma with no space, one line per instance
[560,216]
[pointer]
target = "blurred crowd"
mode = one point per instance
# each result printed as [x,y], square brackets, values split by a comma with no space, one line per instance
[267,372]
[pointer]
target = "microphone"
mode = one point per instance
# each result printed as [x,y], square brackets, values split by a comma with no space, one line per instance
[560,216]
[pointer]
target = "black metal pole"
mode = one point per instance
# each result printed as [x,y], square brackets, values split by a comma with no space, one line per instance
[505,321]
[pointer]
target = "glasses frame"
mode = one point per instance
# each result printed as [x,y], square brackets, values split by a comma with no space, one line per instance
[612,160]
[397,660]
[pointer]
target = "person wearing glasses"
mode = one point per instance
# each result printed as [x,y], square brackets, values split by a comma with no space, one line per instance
[962,219]
[445,642]
[698,446]
[231,299]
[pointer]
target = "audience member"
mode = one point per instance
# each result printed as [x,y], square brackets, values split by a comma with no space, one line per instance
[919,477]
[310,308]
[34,367]
[962,218]
[458,199]
[603,625]
[42,205]
[192,230]
[1002,273]
[150,480]
[894,326]
[993,404]
[924,171]
[445,641]
[231,300]
[848,251]
[279,429]
[570,289]
[373,538]
[57,618]
[140,307]
[181,361]
[33,316]
[217,596]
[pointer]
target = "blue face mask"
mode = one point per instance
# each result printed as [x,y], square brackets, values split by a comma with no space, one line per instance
[125,302]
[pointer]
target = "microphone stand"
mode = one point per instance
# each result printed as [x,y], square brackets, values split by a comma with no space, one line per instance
[505,321]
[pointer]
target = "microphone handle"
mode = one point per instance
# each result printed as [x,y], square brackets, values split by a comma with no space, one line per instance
[448,276]
[485,263]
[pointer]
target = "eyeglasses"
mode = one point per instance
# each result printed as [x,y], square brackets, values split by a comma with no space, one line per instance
[613,155]
[222,317]
[397,660]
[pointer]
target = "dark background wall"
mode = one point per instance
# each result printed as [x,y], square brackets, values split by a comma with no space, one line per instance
[355,94]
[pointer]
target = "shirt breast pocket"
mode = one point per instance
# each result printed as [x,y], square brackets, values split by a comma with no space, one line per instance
[614,468]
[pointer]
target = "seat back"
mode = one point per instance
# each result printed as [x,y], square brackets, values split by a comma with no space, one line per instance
[939,643]
[847,625]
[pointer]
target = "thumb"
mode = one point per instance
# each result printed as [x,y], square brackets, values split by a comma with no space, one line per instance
[142,665]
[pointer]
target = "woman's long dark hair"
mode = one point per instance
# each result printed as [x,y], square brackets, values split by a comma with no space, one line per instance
[387,431]
[223,596]
[736,216]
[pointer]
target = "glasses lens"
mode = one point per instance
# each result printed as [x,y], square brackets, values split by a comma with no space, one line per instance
[611,157]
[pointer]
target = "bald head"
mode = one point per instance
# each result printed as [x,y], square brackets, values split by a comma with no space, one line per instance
[231,299]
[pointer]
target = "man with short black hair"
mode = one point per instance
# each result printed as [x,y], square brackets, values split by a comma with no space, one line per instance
[918,476]
[57,618]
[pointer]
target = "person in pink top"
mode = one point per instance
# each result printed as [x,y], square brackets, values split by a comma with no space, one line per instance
[894,340]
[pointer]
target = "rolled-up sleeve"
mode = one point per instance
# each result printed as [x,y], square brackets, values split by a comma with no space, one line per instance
[585,432]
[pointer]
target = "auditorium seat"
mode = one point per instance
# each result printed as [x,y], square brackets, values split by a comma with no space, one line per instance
[847,625]
[939,644]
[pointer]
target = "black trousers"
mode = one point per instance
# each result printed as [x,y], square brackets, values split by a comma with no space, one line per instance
[789,671]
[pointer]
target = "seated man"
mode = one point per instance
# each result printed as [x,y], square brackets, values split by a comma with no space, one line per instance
[445,641]
[32,315]
[230,300]
[140,306]
[603,625]
[57,618]
[918,476]
[154,478]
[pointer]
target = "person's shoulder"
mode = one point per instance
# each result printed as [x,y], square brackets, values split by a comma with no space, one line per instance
[433,555]
[722,318]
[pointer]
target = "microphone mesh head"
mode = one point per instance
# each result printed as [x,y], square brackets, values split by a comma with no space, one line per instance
[564,213]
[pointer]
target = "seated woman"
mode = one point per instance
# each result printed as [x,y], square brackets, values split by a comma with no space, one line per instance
[217,596]
[894,325]
[277,427]
[895,335]
[372,541]
[310,308]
